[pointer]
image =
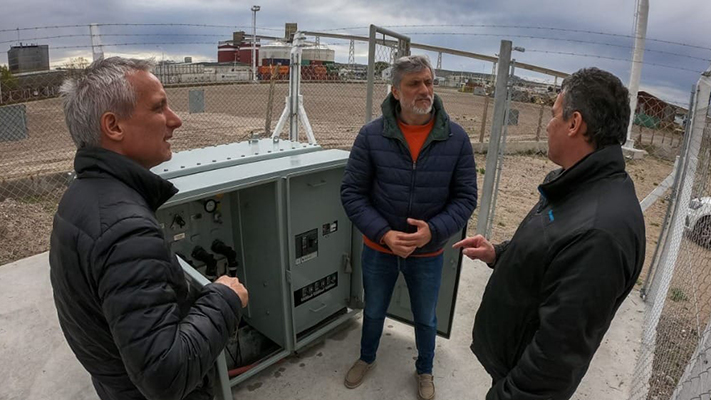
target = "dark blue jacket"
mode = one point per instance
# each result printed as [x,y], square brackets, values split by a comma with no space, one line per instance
[382,186]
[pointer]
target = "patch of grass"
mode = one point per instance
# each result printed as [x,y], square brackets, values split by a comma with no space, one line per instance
[678,295]
[482,171]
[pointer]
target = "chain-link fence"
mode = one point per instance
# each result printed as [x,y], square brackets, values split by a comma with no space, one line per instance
[673,362]
[658,125]
[522,161]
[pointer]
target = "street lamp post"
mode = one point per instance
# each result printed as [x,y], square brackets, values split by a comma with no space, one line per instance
[255,8]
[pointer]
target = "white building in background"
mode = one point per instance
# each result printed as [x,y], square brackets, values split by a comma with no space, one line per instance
[204,72]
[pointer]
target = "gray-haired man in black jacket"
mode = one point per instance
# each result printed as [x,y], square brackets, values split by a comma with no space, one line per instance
[121,296]
[558,282]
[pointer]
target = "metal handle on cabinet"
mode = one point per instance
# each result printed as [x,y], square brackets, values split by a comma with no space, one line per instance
[323,305]
[314,185]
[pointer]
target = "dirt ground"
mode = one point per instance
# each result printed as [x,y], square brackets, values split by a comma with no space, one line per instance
[233,112]
[25,222]
[518,192]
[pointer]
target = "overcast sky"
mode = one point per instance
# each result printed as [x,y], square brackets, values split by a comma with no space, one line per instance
[669,71]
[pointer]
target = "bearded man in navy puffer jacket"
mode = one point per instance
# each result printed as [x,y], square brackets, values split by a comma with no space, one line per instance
[410,185]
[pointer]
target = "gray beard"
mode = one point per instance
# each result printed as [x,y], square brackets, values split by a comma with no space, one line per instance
[421,111]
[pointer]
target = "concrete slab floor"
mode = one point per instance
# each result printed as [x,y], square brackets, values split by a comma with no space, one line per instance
[37,364]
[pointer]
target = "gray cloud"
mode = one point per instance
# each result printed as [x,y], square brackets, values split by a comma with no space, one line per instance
[683,21]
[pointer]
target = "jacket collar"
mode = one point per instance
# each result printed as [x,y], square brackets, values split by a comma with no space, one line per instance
[391,107]
[95,162]
[596,165]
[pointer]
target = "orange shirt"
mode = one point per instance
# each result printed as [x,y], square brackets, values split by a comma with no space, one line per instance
[415,135]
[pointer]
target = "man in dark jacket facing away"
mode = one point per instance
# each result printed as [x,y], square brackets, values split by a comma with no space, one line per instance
[410,185]
[120,294]
[558,282]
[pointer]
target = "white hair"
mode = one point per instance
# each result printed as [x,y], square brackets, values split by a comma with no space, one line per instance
[407,64]
[102,87]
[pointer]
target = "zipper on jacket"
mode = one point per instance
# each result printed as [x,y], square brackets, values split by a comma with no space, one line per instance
[412,188]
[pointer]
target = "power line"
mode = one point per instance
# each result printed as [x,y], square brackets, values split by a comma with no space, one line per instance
[611,58]
[555,39]
[522,27]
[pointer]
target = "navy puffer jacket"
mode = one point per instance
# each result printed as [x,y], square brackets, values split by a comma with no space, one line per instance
[382,186]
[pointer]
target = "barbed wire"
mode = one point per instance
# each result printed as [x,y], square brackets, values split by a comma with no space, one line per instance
[555,39]
[196,25]
[335,44]
[521,27]
[146,24]
[611,58]
[129,44]
[113,35]
[45,38]
[45,27]
[164,34]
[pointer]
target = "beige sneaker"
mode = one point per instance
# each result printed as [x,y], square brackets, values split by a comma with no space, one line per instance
[357,373]
[425,386]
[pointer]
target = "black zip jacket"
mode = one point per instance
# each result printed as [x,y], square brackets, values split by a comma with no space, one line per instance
[121,297]
[557,284]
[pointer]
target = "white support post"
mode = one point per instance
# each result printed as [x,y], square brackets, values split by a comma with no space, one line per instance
[294,110]
[282,120]
[302,114]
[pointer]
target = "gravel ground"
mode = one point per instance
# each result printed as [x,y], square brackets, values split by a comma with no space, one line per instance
[25,224]
[233,112]
[24,228]
[518,192]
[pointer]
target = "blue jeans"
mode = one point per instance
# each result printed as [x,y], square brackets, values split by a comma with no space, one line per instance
[423,276]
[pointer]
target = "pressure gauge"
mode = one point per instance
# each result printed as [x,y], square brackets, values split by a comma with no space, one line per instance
[210,206]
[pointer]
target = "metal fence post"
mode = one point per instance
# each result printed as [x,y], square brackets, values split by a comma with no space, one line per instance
[371,75]
[540,120]
[497,125]
[483,118]
[502,150]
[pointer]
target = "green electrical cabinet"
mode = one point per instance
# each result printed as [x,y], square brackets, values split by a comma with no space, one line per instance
[269,212]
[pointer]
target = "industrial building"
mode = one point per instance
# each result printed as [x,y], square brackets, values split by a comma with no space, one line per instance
[28,58]
[274,57]
[238,50]
[205,72]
